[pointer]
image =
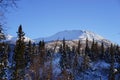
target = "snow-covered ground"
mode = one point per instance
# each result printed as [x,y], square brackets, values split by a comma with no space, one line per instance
[98,70]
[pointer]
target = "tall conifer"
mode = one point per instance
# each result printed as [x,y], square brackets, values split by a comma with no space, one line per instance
[19,55]
[111,72]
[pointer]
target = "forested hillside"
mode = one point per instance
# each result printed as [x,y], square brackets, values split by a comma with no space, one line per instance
[35,61]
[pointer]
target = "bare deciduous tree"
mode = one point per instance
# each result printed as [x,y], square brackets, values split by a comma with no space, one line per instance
[5,5]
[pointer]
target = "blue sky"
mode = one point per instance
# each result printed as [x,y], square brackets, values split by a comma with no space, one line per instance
[42,18]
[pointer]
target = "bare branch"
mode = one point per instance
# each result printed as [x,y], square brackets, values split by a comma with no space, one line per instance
[5,5]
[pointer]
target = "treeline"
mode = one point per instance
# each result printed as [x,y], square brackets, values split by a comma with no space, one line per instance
[35,61]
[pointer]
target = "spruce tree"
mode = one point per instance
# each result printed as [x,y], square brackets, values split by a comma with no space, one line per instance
[78,48]
[50,69]
[75,65]
[107,54]
[96,55]
[28,53]
[34,49]
[3,60]
[39,46]
[85,63]
[117,55]
[93,46]
[68,57]
[87,49]
[19,55]
[38,60]
[63,59]
[42,52]
[30,48]
[111,72]
[92,53]
[102,51]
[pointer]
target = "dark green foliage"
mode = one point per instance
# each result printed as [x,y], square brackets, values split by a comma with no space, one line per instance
[42,52]
[63,59]
[107,54]
[87,49]
[38,60]
[76,65]
[85,63]
[40,46]
[19,55]
[91,55]
[117,53]
[79,46]
[94,54]
[20,34]
[28,52]
[102,51]
[93,46]
[3,60]
[60,49]
[69,57]
[34,49]
[112,73]
[66,56]
[30,48]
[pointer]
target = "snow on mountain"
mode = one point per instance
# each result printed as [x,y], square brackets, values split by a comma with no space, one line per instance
[90,35]
[27,39]
[75,35]
[70,35]
[9,37]
[12,39]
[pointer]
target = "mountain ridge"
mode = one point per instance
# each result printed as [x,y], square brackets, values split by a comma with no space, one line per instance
[70,35]
[73,35]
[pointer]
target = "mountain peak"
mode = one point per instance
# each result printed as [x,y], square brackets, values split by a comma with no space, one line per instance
[73,35]
[70,35]
[90,35]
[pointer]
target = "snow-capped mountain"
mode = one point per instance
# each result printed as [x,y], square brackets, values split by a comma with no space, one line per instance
[75,35]
[69,35]
[72,37]
[12,39]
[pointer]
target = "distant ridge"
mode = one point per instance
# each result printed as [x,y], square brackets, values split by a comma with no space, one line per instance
[74,35]
[70,35]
